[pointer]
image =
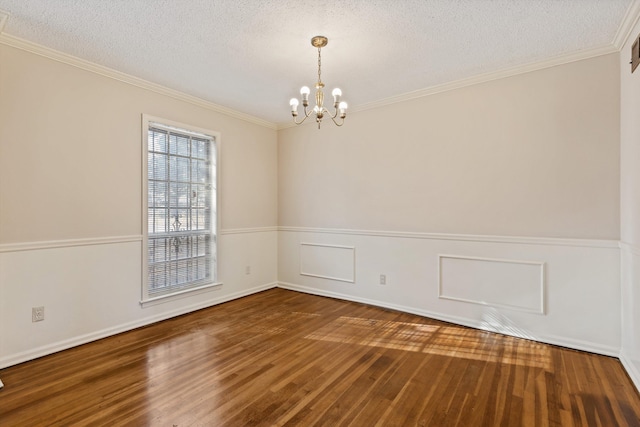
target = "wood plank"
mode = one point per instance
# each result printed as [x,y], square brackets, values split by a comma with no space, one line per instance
[286,358]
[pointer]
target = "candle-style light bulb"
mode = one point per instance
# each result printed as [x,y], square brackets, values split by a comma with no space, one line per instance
[337,93]
[305,91]
[294,106]
[343,109]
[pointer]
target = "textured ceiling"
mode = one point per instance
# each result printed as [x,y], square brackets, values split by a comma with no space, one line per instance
[253,55]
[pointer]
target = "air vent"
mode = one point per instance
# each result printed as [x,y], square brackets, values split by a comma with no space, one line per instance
[635,54]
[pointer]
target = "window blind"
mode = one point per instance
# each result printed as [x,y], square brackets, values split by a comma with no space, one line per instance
[181,209]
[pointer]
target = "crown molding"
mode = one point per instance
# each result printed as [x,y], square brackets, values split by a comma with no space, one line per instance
[631,17]
[628,22]
[481,78]
[487,77]
[83,64]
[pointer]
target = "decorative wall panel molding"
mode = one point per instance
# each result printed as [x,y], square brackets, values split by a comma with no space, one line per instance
[582,345]
[567,281]
[332,262]
[513,284]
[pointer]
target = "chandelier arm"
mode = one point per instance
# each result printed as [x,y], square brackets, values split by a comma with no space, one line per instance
[335,113]
[299,122]
[306,115]
[336,122]
[333,117]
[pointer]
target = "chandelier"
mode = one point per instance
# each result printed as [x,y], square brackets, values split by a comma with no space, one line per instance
[339,108]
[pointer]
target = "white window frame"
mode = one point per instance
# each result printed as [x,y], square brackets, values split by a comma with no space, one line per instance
[147,300]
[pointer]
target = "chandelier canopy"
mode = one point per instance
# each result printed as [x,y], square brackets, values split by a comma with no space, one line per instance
[319,110]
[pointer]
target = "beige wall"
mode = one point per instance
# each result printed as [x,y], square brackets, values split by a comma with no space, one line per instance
[70,153]
[531,155]
[630,148]
[520,171]
[70,205]
[535,154]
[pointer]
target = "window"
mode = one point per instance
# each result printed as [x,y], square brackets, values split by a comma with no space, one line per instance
[180,242]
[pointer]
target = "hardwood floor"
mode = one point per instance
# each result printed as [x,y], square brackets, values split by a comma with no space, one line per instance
[290,359]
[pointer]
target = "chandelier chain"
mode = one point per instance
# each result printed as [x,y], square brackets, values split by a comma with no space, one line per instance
[319,63]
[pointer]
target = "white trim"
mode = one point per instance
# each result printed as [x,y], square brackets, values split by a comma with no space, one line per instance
[540,310]
[67,243]
[323,245]
[491,76]
[147,122]
[149,302]
[4,17]
[173,126]
[83,64]
[587,243]
[337,279]
[628,22]
[628,247]
[83,339]
[631,369]
[248,230]
[547,339]
[76,341]
[190,132]
[477,79]
[553,241]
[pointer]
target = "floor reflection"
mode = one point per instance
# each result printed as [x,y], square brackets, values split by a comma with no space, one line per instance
[168,364]
[451,341]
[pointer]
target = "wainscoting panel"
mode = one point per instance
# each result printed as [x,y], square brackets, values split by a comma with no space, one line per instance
[559,291]
[91,289]
[630,280]
[332,262]
[498,282]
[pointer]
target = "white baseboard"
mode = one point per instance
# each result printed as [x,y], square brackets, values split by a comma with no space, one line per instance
[547,339]
[631,369]
[84,339]
[66,344]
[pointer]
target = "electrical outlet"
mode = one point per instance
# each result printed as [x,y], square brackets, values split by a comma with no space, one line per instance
[247,269]
[37,314]
[383,279]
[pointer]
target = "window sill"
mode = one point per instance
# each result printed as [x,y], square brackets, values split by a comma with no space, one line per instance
[149,302]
